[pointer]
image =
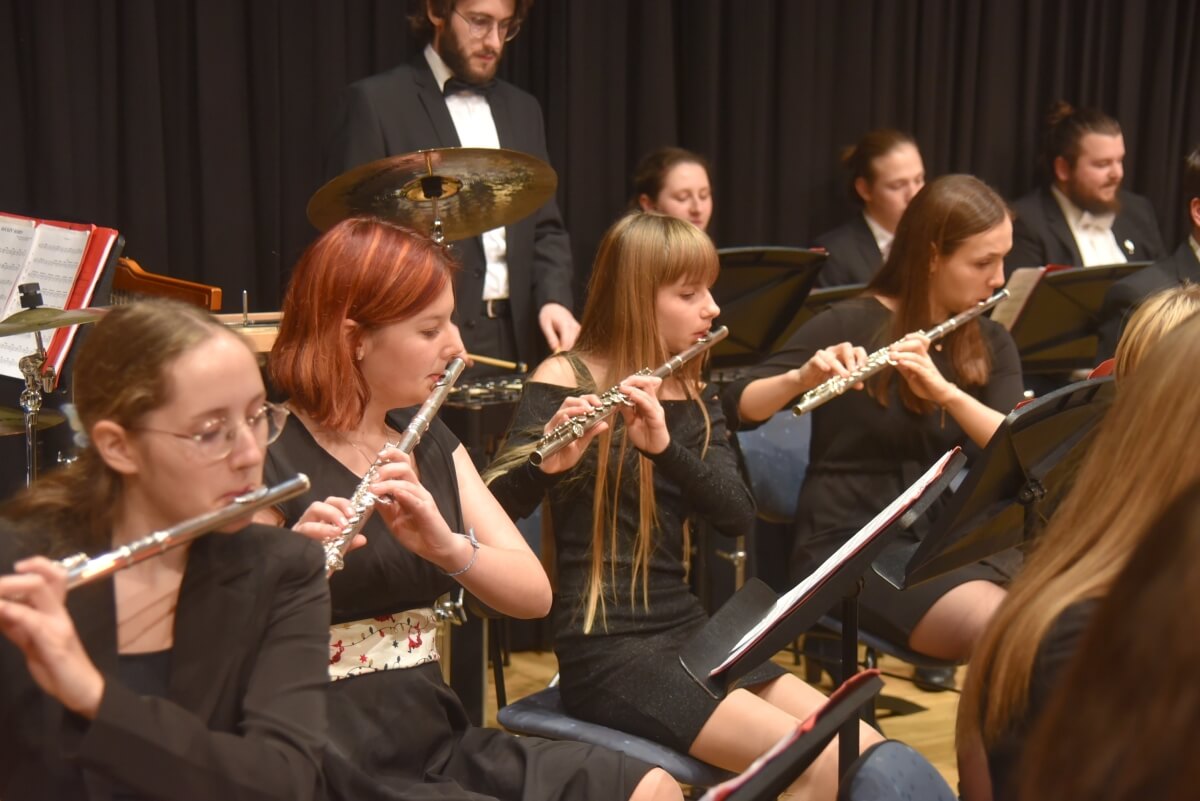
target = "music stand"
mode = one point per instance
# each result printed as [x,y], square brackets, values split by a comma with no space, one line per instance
[760,290]
[755,624]
[818,301]
[1057,327]
[1027,467]
[775,770]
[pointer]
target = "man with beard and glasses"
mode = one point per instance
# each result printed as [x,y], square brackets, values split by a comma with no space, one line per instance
[516,279]
[1083,218]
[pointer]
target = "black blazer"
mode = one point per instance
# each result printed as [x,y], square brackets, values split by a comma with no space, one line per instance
[1041,235]
[245,712]
[402,111]
[1125,295]
[854,256]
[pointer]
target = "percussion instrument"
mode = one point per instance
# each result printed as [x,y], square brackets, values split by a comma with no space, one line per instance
[447,193]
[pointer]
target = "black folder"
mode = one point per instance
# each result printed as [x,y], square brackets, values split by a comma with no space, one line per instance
[1025,470]
[760,290]
[1056,322]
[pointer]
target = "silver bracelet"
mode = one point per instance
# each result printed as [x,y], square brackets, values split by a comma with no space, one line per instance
[470,535]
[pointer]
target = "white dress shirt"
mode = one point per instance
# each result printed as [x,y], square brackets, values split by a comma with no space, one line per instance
[883,237]
[473,121]
[1093,233]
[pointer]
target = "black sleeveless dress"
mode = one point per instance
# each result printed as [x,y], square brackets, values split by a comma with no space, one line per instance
[403,733]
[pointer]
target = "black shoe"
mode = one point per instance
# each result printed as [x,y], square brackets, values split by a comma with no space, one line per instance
[934,680]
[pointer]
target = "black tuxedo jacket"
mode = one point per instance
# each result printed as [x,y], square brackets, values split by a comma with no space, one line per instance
[1041,235]
[1125,295]
[245,713]
[402,111]
[854,256]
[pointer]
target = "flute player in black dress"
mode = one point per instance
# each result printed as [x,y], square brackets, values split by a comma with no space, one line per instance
[868,445]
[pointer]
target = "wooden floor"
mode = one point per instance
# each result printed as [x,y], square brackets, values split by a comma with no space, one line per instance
[921,719]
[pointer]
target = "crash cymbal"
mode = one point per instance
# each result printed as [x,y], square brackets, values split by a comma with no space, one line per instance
[12,421]
[470,190]
[45,318]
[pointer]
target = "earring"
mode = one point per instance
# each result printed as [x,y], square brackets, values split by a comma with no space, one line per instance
[358,356]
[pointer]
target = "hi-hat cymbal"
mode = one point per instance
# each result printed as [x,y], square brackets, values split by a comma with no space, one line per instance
[470,190]
[12,421]
[45,318]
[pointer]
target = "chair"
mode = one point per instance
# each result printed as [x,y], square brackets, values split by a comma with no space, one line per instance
[542,715]
[776,457]
[891,771]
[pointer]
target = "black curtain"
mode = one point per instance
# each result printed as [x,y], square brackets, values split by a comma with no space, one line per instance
[195,127]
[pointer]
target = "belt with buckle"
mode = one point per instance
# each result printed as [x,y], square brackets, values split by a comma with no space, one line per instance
[497,307]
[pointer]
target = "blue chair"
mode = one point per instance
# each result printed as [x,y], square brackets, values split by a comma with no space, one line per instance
[542,715]
[891,771]
[776,458]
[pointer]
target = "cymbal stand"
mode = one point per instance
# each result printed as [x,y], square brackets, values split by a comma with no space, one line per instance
[38,381]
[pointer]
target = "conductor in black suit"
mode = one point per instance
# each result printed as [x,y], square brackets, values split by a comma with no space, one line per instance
[516,279]
[1083,218]
[1181,266]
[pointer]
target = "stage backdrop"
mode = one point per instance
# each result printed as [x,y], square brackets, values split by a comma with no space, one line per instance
[196,126]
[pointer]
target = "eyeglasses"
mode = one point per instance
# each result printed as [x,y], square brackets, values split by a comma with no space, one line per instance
[480,25]
[216,438]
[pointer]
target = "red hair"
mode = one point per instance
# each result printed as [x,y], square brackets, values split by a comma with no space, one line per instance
[363,269]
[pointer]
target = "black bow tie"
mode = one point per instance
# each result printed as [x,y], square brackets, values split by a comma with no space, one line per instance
[454,85]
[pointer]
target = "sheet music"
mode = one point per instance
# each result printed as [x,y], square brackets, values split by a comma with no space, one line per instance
[52,261]
[1019,287]
[16,240]
[791,599]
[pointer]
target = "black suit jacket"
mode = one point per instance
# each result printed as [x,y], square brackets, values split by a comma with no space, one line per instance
[245,712]
[854,256]
[1125,295]
[402,111]
[1041,235]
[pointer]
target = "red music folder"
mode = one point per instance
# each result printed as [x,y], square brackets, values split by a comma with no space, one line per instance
[66,260]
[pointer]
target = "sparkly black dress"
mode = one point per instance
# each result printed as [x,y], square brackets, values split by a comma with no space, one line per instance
[403,733]
[626,672]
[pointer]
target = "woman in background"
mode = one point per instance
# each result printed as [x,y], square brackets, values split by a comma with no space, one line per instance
[674,181]
[886,172]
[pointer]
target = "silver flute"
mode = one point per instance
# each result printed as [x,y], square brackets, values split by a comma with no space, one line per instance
[575,427]
[82,569]
[823,393]
[363,501]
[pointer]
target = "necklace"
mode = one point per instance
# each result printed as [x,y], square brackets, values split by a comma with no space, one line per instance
[369,456]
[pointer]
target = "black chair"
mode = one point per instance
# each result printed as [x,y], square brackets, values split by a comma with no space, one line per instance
[891,771]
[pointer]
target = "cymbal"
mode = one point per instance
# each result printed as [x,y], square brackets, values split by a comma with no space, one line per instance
[45,318]
[12,421]
[469,189]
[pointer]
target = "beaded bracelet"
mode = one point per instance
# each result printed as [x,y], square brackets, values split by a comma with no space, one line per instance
[470,535]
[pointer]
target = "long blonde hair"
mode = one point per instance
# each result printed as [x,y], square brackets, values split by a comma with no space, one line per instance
[1156,315]
[1091,536]
[638,255]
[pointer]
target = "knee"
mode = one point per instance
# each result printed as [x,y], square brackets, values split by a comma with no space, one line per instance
[657,785]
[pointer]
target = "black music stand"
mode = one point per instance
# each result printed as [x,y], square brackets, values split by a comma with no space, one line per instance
[1026,469]
[772,773]
[1057,328]
[716,658]
[760,290]
[818,301]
